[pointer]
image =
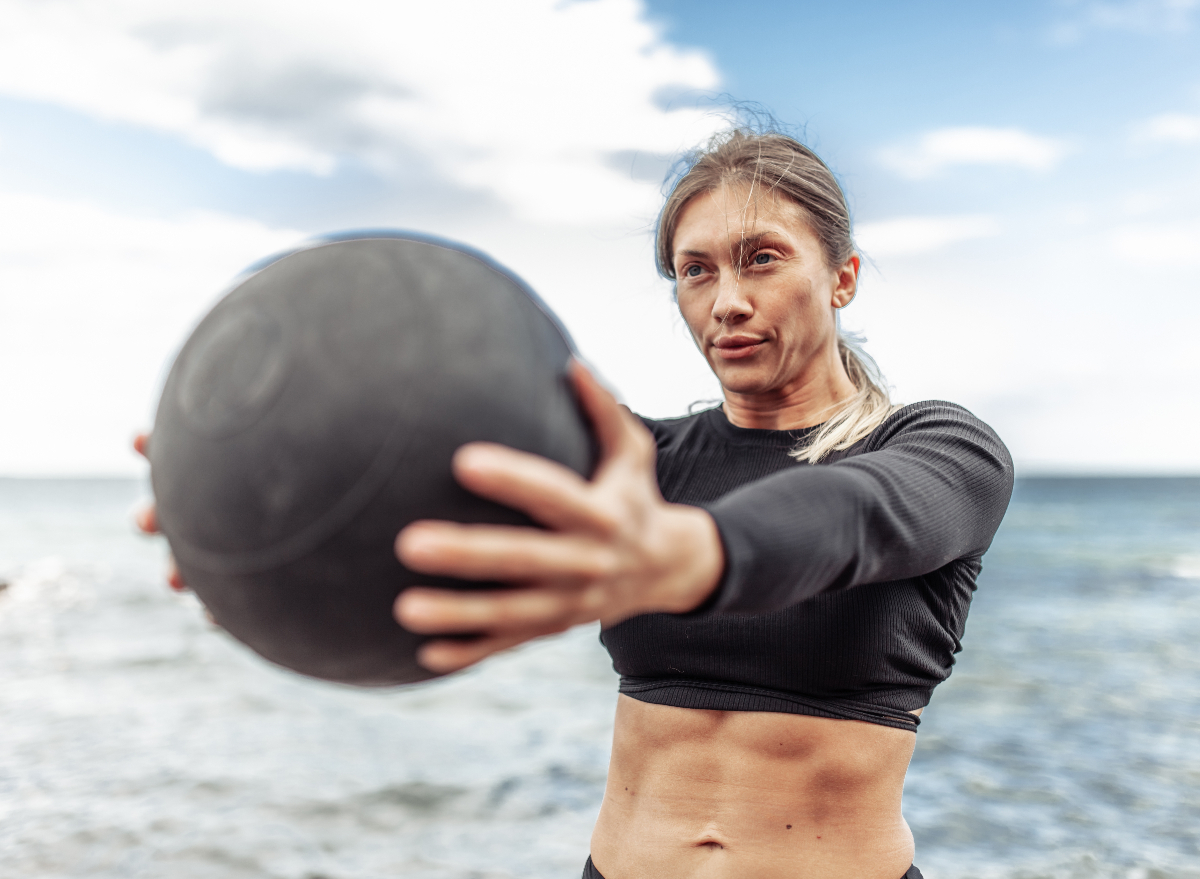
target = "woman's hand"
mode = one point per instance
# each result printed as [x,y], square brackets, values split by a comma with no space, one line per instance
[614,548]
[146,519]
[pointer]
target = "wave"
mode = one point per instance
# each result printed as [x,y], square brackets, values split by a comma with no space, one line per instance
[50,583]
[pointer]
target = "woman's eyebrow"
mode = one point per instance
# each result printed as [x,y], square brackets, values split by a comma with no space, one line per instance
[745,243]
[749,243]
[758,238]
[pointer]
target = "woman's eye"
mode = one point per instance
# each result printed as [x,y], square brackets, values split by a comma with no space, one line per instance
[692,271]
[761,259]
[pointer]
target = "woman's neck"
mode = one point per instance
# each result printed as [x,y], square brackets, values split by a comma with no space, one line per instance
[812,399]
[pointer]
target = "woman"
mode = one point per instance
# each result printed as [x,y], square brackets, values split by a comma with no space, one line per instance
[778,626]
[781,580]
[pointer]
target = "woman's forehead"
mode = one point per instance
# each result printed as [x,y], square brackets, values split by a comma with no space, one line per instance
[739,210]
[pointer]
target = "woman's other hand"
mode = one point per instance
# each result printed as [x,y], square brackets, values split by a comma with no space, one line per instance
[146,519]
[613,549]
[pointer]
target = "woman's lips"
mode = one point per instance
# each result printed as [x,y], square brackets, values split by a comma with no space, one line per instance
[737,347]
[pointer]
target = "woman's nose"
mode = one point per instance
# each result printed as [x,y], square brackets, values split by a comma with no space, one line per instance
[732,302]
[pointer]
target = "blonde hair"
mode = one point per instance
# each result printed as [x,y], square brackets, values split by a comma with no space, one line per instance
[782,165]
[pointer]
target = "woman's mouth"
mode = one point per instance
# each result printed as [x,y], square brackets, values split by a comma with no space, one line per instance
[737,347]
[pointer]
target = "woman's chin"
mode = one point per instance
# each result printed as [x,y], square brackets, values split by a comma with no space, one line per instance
[740,378]
[743,384]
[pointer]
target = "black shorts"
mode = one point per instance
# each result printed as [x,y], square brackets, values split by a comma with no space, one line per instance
[590,872]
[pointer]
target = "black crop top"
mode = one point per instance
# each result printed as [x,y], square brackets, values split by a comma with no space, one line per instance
[904,517]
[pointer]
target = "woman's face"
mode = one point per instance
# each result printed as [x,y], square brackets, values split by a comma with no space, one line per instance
[756,292]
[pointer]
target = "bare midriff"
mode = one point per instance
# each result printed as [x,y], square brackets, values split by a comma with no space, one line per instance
[730,794]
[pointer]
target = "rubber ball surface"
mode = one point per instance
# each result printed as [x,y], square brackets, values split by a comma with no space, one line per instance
[313,413]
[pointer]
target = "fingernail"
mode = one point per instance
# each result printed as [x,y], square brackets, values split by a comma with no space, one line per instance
[411,544]
[475,455]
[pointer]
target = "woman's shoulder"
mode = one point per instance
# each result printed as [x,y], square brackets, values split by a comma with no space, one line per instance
[939,428]
[928,416]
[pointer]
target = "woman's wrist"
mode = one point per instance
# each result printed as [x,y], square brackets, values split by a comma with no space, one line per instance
[697,558]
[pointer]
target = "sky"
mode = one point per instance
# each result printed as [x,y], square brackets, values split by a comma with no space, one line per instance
[1024,179]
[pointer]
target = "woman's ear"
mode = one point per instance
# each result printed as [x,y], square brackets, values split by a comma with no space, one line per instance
[847,282]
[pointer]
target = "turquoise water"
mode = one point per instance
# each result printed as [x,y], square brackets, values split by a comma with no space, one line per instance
[138,741]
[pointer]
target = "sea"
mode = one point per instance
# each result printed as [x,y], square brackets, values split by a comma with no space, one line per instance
[138,740]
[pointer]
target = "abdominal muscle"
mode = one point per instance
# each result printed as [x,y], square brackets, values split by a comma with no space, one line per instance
[729,794]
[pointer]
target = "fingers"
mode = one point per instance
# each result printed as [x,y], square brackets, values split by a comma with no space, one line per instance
[146,519]
[508,617]
[571,574]
[498,552]
[601,407]
[174,578]
[443,657]
[499,613]
[617,430]
[550,493]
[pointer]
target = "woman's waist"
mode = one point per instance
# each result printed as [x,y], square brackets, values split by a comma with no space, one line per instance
[740,791]
[648,850]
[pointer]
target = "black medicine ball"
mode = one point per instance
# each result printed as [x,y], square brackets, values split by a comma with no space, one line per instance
[313,413]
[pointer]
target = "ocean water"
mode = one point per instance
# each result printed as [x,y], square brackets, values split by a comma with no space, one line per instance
[138,741]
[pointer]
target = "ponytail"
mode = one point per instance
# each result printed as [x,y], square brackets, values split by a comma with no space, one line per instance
[860,414]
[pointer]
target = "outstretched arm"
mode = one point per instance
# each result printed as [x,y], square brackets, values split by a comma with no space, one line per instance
[931,487]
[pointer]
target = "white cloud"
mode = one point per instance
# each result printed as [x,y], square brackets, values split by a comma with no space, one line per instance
[39,234]
[903,236]
[1175,245]
[1139,16]
[1169,128]
[974,145]
[512,99]
[92,303]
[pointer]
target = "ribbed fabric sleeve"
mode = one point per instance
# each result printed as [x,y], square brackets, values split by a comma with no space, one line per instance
[930,485]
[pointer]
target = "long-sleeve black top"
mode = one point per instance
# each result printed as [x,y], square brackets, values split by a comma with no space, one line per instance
[847,583]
